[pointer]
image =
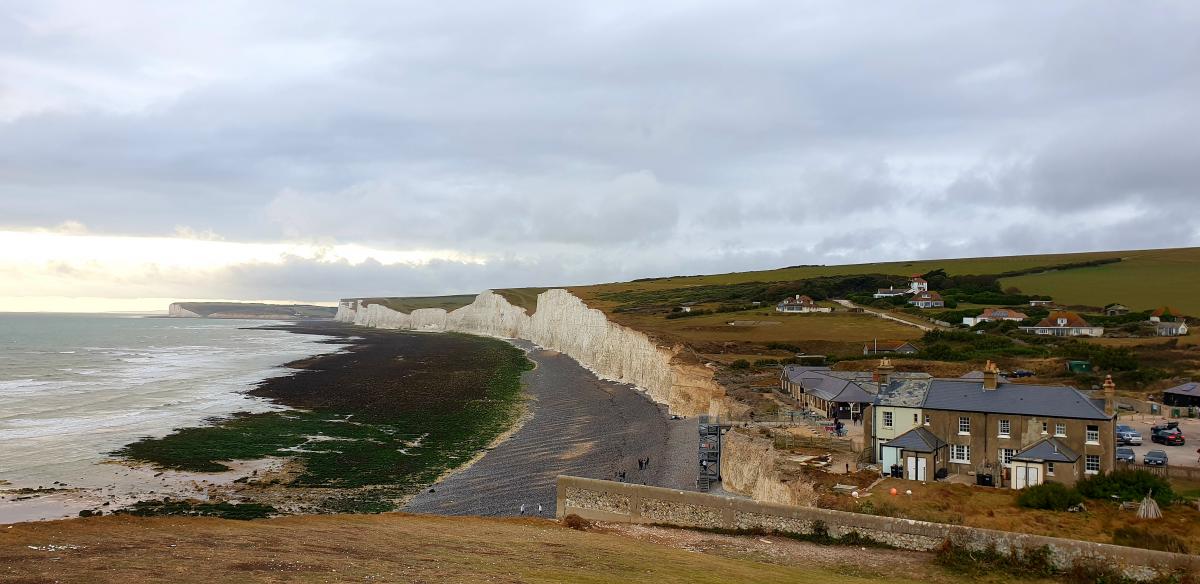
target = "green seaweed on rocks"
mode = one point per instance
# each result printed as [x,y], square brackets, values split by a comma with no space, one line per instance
[369,442]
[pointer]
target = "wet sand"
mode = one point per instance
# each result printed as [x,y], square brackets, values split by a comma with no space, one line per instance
[579,425]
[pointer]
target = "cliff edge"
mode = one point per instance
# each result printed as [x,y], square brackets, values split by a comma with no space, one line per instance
[562,322]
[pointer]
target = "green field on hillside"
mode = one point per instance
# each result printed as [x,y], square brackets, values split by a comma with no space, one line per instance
[410,304]
[1142,279]
[1143,282]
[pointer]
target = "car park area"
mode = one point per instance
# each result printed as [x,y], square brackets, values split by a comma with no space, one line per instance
[1185,455]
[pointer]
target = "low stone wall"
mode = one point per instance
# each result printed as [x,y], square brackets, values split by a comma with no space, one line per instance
[599,500]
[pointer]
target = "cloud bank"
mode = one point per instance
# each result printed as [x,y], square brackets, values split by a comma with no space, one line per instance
[568,143]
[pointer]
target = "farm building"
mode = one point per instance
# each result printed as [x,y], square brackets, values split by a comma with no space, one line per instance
[1186,395]
[1171,329]
[1116,310]
[889,347]
[990,314]
[1064,323]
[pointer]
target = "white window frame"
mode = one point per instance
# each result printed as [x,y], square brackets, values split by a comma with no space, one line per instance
[1049,469]
[1005,428]
[1045,428]
[1087,464]
[1092,436]
[1006,456]
[914,419]
[926,419]
[954,453]
[887,419]
[1060,430]
[964,422]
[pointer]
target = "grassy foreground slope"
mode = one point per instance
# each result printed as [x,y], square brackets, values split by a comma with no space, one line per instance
[410,548]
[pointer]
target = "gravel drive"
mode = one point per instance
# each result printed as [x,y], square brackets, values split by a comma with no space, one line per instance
[581,426]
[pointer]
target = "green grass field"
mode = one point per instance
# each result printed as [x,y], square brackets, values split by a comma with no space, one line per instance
[410,304]
[1143,279]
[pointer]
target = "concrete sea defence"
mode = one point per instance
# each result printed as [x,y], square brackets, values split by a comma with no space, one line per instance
[597,500]
[562,322]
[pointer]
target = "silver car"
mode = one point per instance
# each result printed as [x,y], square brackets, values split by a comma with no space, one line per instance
[1126,455]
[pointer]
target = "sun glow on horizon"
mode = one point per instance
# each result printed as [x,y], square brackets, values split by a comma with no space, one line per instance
[69,270]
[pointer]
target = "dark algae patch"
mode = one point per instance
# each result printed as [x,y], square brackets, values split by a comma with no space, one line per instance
[223,510]
[372,425]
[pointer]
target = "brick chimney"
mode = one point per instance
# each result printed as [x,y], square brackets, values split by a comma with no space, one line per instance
[883,372]
[991,376]
[1110,401]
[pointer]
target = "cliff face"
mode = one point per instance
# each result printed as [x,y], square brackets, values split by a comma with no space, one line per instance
[562,322]
[177,310]
[749,467]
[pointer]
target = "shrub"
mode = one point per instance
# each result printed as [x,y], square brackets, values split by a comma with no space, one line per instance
[740,364]
[1151,540]
[1050,496]
[576,522]
[766,362]
[1130,485]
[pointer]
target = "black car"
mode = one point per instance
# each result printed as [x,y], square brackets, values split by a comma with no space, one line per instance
[1155,458]
[1126,455]
[1169,434]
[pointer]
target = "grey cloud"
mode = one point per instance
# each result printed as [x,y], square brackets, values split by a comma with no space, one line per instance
[634,139]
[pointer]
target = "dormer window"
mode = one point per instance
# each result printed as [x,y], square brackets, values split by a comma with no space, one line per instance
[1062,321]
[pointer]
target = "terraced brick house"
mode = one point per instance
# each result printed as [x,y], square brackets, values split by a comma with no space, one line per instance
[1004,434]
[837,394]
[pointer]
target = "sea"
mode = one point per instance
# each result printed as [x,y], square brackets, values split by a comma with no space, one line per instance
[74,388]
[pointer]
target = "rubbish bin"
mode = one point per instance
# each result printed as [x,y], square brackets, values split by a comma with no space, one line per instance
[985,480]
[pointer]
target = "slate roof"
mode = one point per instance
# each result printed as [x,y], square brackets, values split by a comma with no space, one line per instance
[1190,389]
[990,313]
[929,295]
[904,393]
[916,440]
[834,386]
[1073,320]
[1168,326]
[889,345]
[967,395]
[1047,450]
[978,376]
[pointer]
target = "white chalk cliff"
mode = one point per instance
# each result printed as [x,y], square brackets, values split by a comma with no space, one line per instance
[562,322]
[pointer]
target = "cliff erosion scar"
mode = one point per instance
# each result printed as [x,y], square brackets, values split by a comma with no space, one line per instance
[562,322]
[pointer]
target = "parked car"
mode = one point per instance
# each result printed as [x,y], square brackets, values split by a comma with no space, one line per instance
[1126,455]
[1128,436]
[1155,458]
[1168,434]
[1019,373]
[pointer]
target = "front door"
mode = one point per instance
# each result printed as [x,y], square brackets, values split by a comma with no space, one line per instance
[1026,476]
[916,469]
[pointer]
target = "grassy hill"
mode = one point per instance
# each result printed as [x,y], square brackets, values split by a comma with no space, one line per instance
[1142,279]
[408,548]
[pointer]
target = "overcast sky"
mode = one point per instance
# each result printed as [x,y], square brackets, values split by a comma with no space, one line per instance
[312,150]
